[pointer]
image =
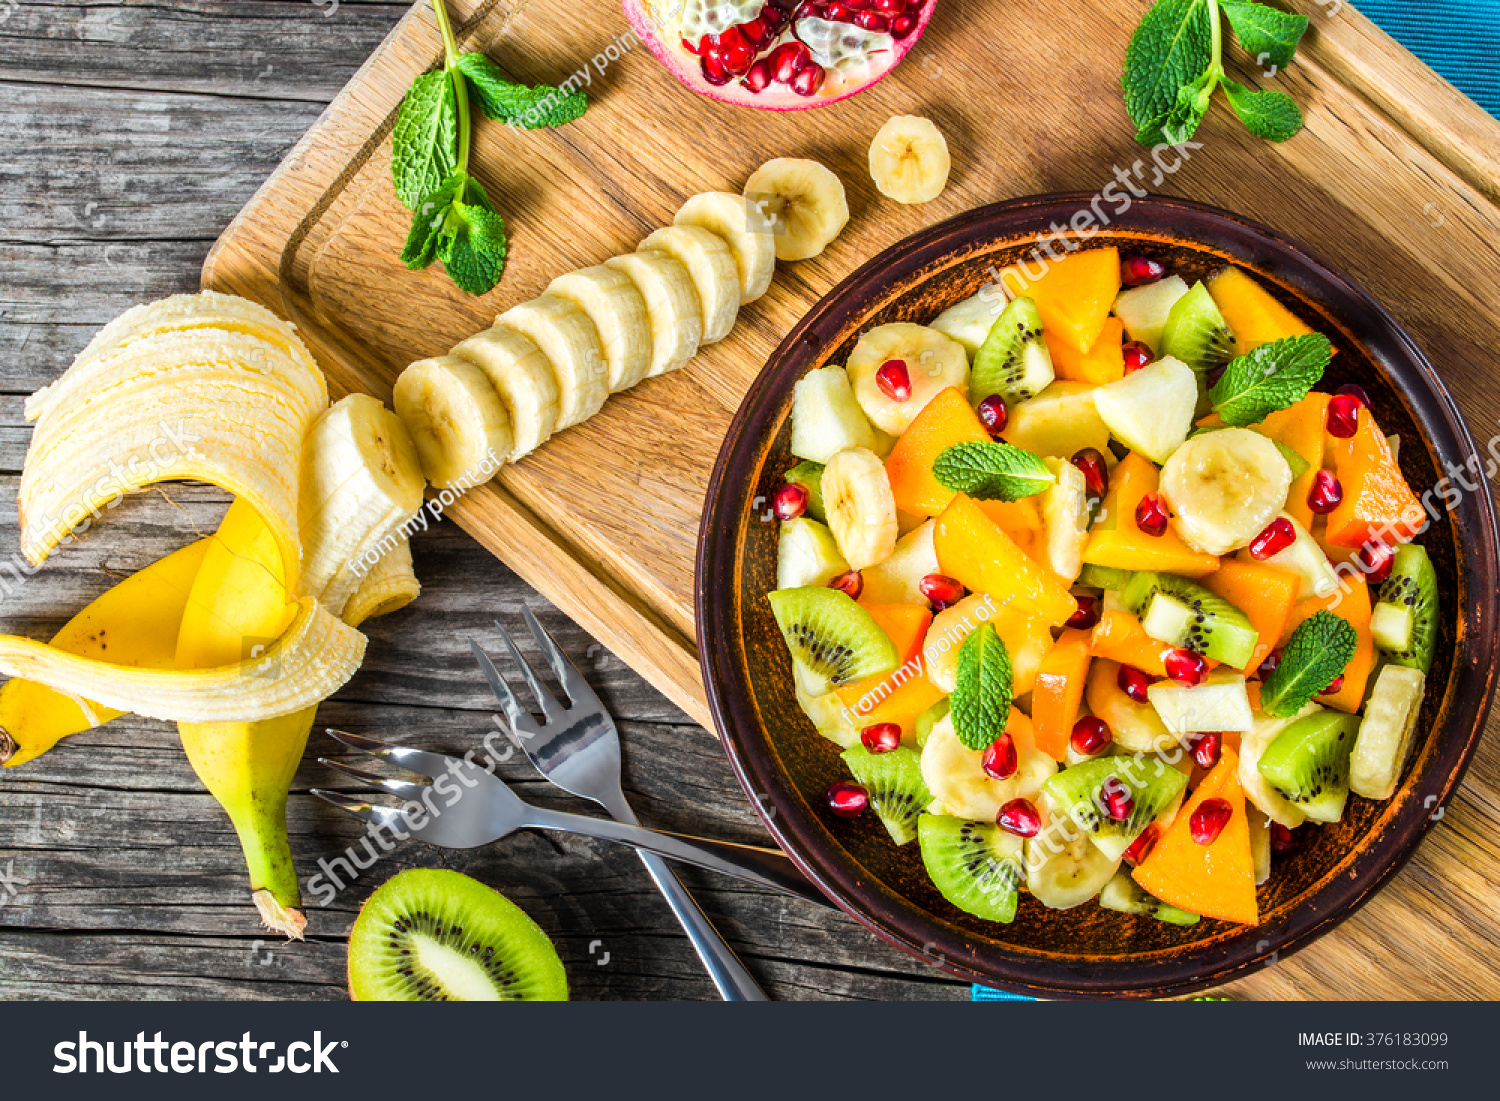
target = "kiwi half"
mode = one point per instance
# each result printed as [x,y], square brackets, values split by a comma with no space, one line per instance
[1108,578]
[1013,361]
[1128,897]
[974,865]
[832,639]
[1080,791]
[895,785]
[1405,618]
[429,935]
[1308,763]
[1197,334]
[1179,612]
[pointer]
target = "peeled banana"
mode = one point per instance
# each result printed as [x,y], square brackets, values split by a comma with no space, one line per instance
[456,420]
[860,508]
[676,316]
[618,312]
[748,230]
[571,344]
[805,202]
[1224,487]
[909,160]
[933,362]
[390,586]
[715,274]
[523,378]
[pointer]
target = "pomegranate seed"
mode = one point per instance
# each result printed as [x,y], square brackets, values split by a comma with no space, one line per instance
[1141,847]
[732,38]
[690,47]
[881,738]
[1136,271]
[737,57]
[1279,535]
[857,5]
[1206,748]
[1376,560]
[758,79]
[1137,355]
[791,501]
[1019,817]
[1209,820]
[1151,515]
[1186,667]
[808,80]
[847,800]
[808,10]
[1325,494]
[1095,470]
[939,587]
[993,415]
[714,71]
[1355,392]
[901,26]
[1283,840]
[1267,667]
[1134,682]
[1119,804]
[786,59]
[1343,416]
[757,32]
[890,7]
[776,15]
[1090,735]
[837,13]
[894,379]
[1335,688]
[852,583]
[999,760]
[1087,615]
[872,21]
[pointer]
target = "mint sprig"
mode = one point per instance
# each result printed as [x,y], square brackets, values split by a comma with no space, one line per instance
[981,699]
[1317,654]
[993,471]
[455,222]
[1273,376]
[1175,61]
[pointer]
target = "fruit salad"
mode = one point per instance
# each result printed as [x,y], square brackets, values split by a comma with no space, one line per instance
[1100,594]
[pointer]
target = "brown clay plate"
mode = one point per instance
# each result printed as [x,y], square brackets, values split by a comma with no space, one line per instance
[785,767]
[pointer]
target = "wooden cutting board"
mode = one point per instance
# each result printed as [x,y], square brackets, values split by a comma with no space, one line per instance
[1396,180]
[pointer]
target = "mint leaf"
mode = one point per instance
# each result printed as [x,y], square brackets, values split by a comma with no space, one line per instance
[498,97]
[427,224]
[1182,121]
[1272,377]
[1316,655]
[1269,35]
[1274,116]
[982,694]
[992,471]
[1172,48]
[424,142]
[458,225]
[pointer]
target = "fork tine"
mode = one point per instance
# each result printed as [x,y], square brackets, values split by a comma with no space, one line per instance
[402,788]
[385,817]
[578,690]
[550,707]
[419,761]
[519,718]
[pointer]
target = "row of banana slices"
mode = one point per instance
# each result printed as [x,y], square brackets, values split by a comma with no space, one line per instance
[550,363]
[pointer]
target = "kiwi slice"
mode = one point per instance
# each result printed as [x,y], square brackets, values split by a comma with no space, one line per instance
[974,865]
[809,475]
[1080,791]
[1197,334]
[1182,613]
[832,639]
[1405,619]
[1107,578]
[1128,897]
[429,935]
[894,781]
[1308,763]
[1013,361]
[924,723]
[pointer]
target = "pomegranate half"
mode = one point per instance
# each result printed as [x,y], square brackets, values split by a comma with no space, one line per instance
[779,55]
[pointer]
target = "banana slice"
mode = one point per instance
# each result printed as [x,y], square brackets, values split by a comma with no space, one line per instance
[860,507]
[805,200]
[455,418]
[1065,520]
[570,342]
[955,777]
[933,361]
[390,586]
[715,274]
[909,160]
[671,303]
[747,232]
[523,378]
[619,314]
[1224,487]
[1064,868]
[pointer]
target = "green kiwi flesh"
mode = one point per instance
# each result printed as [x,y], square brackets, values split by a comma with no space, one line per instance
[1181,613]
[977,866]
[1013,361]
[1412,587]
[1128,897]
[832,639]
[809,475]
[894,782]
[1197,334]
[1308,763]
[1080,791]
[1107,578]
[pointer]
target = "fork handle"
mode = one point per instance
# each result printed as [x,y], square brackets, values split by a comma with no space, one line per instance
[762,867]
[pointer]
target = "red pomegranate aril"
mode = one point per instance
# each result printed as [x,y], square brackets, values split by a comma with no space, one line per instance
[1137,271]
[1087,615]
[1137,355]
[808,80]
[1283,840]
[889,7]
[758,32]
[786,59]
[1355,392]
[837,13]
[881,738]
[758,79]
[847,800]
[714,71]
[1279,535]
[1267,667]
[852,583]
[872,21]
[1095,470]
[999,760]
[1206,748]
[1335,688]
[858,5]
[808,10]
[1209,820]
[790,501]
[1343,416]
[1119,804]
[1090,735]
[737,57]
[993,415]
[775,17]
[1376,560]
[690,47]
[1134,682]
[1141,847]
[1186,667]
[894,379]
[1325,494]
[1151,515]
[1019,817]
[901,26]
[939,587]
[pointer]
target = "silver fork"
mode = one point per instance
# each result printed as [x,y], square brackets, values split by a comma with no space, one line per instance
[578,749]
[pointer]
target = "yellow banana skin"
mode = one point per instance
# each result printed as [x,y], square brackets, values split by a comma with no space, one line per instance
[135,623]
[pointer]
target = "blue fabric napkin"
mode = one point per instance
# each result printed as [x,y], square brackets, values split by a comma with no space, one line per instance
[1456,37]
